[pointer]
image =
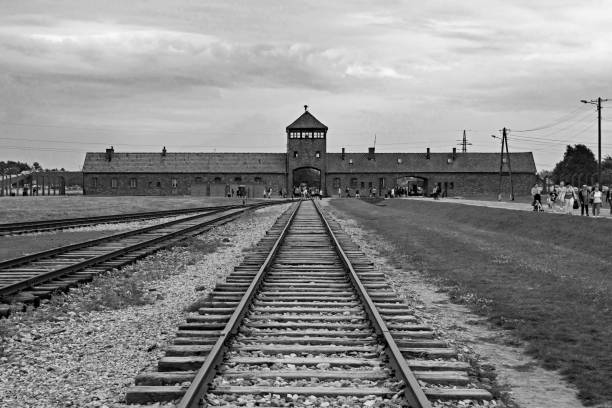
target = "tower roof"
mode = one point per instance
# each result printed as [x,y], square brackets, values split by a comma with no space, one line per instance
[306,122]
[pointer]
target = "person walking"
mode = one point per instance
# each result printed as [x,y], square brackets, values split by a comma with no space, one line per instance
[561,190]
[596,201]
[569,199]
[583,197]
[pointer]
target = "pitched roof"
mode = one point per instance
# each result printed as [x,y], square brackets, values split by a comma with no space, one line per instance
[437,163]
[306,122]
[185,163]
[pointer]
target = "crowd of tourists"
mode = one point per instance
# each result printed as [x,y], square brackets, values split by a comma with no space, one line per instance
[568,199]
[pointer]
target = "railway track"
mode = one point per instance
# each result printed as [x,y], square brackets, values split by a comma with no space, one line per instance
[29,278]
[16,228]
[305,321]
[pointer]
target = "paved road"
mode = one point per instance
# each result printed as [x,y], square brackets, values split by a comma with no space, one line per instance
[509,205]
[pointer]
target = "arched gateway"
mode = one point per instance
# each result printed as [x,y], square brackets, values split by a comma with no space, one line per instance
[307,176]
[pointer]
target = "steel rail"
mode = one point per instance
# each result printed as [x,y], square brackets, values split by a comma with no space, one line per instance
[54,251]
[44,277]
[27,226]
[206,373]
[413,392]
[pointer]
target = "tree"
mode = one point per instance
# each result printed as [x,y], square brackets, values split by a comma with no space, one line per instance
[36,166]
[606,163]
[578,165]
[13,167]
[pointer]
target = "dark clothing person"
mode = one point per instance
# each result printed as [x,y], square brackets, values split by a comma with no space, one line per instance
[583,196]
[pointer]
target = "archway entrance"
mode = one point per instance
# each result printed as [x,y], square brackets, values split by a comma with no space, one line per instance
[411,186]
[307,177]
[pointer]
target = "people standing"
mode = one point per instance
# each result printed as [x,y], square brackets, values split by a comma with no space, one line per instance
[596,201]
[583,196]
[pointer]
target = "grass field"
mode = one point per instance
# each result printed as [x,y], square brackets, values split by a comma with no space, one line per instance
[17,209]
[545,277]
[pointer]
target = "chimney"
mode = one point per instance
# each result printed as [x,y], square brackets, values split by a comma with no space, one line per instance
[343,153]
[370,153]
[109,153]
[427,154]
[454,153]
[164,151]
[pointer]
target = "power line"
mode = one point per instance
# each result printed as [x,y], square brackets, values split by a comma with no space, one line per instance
[556,122]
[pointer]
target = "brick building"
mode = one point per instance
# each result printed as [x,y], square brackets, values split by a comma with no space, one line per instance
[306,162]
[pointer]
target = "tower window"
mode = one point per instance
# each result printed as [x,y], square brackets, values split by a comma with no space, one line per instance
[295,153]
[318,155]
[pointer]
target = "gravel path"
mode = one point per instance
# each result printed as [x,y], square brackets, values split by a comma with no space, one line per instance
[61,355]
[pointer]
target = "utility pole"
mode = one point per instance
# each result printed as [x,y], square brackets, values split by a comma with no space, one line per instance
[464,143]
[504,144]
[598,102]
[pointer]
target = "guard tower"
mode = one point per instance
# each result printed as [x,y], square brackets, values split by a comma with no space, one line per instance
[306,152]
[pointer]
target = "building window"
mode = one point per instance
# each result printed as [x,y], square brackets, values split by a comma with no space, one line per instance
[217,179]
[94,182]
[114,183]
[318,155]
[353,182]
[351,162]
[363,184]
[174,183]
[132,183]
[238,179]
[150,184]
[452,185]
[399,160]
[295,153]
[337,182]
[198,180]
[258,179]
[158,184]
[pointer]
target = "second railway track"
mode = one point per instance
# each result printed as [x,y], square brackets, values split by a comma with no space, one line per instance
[306,321]
[16,228]
[35,276]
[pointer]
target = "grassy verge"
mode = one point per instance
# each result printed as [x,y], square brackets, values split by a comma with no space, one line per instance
[543,276]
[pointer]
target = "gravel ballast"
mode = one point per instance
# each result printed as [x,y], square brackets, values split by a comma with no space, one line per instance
[65,354]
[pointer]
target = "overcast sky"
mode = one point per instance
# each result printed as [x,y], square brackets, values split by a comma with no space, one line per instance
[81,75]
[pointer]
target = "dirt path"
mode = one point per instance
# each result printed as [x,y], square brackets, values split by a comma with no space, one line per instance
[527,384]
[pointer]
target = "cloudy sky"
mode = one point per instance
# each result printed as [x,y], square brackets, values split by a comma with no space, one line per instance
[222,75]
